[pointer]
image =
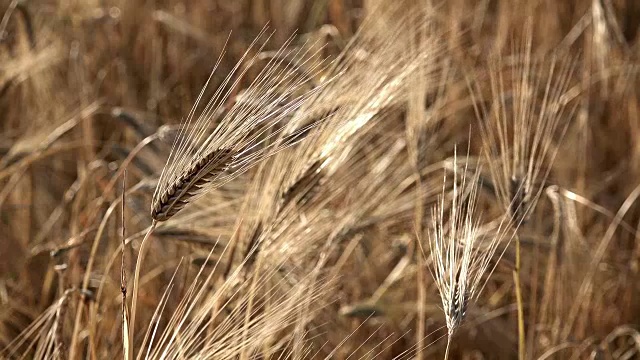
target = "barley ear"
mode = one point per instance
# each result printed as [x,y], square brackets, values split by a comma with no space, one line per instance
[190,183]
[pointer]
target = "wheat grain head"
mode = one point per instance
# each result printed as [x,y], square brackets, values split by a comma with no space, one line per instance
[529,113]
[459,262]
[229,135]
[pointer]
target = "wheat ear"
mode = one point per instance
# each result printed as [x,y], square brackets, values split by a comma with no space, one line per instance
[190,183]
[229,134]
[461,251]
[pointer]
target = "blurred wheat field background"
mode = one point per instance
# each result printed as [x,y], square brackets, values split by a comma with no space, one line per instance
[328,179]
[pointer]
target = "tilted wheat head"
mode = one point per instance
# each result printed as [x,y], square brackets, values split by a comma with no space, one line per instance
[232,133]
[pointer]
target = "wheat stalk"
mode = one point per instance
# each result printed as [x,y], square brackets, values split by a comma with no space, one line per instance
[200,157]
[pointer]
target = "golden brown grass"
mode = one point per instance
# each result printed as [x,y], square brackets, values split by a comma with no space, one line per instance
[298,204]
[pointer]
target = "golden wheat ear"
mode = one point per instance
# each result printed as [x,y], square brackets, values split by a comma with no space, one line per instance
[193,180]
[521,126]
[232,133]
